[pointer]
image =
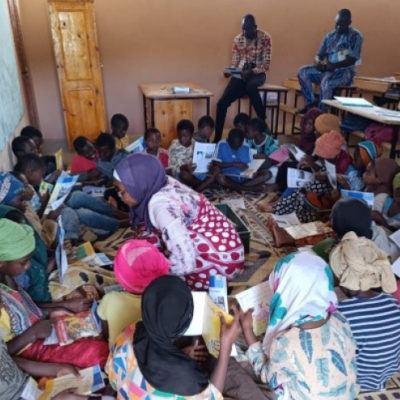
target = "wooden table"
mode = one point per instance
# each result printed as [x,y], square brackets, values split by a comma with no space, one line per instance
[162,92]
[375,85]
[372,113]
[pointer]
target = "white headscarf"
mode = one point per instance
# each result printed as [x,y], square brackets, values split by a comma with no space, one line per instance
[303,292]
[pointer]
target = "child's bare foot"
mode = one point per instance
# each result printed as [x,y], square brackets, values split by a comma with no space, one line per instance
[268,208]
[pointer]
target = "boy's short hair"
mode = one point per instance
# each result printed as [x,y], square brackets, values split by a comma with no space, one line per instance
[205,121]
[31,132]
[105,140]
[149,131]
[236,134]
[18,144]
[79,143]
[29,162]
[241,119]
[185,124]
[119,119]
[258,125]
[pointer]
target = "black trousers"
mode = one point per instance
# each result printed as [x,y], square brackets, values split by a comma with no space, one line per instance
[237,88]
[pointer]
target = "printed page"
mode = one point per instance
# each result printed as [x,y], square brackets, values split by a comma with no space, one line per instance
[235,203]
[297,153]
[368,197]
[253,167]
[203,154]
[331,171]
[280,155]
[97,260]
[62,189]
[286,220]
[61,254]
[298,178]
[305,230]
[259,298]
[196,326]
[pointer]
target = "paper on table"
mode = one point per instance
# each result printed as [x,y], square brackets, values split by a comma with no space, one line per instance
[395,237]
[203,154]
[331,171]
[368,197]
[259,298]
[298,178]
[286,220]
[353,101]
[235,203]
[180,89]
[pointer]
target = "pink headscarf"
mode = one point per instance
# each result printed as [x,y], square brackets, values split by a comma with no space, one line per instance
[328,145]
[137,263]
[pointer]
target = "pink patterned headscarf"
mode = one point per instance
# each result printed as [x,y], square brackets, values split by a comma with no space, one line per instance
[137,263]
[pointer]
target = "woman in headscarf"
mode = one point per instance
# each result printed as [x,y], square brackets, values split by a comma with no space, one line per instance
[308,351]
[354,215]
[365,275]
[145,360]
[319,194]
[22,323]
[199,238]
[307,130]
[136,264]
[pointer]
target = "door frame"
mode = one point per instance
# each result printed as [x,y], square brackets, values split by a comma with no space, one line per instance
[26,79]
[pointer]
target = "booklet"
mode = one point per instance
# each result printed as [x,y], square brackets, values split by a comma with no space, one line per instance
[45,187]
[353,101]
[302,231]
[203,154]
[252,169]
[280,155]
[286,220]
[368,197]
[59,159]
[296,152]
[90,381]
[97,260]
[297,178]
[94,191]
[136,147]
[61,190]
[331,171]
[61,254]
[84,250]
[218,291]
[259,298]
[206,321]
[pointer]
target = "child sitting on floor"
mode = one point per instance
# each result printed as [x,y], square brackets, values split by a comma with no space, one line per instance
[234,157]
[206,127]
[85,159]
[241,121]
[109,155]
[119,127]
[22,145]
[152,139]
[181,149]
[259,138]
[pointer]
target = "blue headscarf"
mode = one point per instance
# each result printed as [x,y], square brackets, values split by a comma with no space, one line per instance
[369,151]
[10,187]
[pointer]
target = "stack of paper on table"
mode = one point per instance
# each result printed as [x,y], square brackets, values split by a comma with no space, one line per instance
[353,101]
[206,321]
[259,299]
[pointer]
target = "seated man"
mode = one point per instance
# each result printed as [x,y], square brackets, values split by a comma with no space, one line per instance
[335,63]
[251,53]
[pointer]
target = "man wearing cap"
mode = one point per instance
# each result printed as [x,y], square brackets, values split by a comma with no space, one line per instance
[251,54]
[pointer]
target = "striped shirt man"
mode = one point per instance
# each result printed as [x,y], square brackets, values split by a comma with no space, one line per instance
[375,324]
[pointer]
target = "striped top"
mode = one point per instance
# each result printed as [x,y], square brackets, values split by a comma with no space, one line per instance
[375,324]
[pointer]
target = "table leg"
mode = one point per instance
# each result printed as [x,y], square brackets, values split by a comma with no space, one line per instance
[208,106]
[152,112]
[145,112]
[278,104]
[395,136]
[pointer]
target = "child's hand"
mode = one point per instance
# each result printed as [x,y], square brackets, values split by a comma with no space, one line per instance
[242,165]
[197,352]
[67,369]
[56,213]
[229,333]
[77,305]
[41,329]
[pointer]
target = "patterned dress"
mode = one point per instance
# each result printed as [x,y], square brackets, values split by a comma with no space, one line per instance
[179,155]
[199,238]
[310,364]
[127,380]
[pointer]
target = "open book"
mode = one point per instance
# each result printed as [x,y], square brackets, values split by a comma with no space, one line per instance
[296,152]
[297,178]
[135,147]
[203,154]
[368,197]
[259,299]
[206,321]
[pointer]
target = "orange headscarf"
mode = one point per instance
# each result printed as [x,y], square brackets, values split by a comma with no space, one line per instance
[328,146]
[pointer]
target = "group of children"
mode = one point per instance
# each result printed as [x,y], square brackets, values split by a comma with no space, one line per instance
[320,342]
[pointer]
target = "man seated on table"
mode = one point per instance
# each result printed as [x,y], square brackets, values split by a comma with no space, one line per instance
[251,53]
[335,64]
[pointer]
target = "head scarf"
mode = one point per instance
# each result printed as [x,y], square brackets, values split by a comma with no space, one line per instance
[327,122]
[360,265]
[369,151]
[307,140]
[137,263]
[10,187]
[350,214]
[396,181]
[328,146]
[302,284]
[143,176]
[16,240]
[385,169]
[167,310]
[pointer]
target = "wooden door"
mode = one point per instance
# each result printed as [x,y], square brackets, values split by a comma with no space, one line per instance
[73,29]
